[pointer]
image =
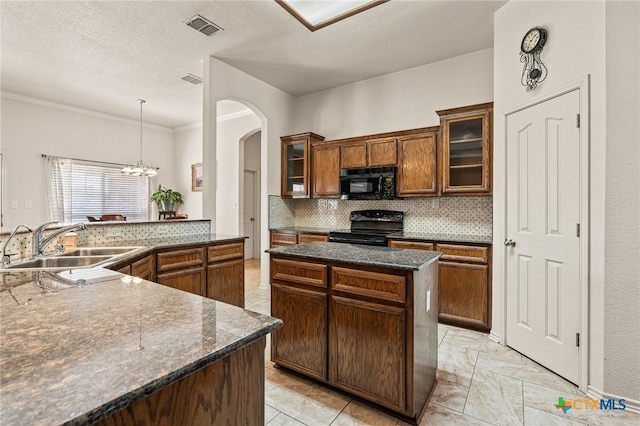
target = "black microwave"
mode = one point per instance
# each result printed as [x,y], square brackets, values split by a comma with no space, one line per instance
[368,184]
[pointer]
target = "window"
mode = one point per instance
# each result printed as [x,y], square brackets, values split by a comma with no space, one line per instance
[81,188]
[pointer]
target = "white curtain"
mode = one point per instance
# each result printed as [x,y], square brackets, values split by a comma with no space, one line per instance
[55,189]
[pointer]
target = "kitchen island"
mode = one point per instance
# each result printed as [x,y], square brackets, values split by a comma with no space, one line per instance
[362,319]
[93,345]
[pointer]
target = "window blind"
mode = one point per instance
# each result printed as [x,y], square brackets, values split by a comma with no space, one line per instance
[94,189]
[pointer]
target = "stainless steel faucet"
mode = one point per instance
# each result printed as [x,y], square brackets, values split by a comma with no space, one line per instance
[40,242]
[6,257]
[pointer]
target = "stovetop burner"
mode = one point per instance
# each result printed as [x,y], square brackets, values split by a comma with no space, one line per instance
[370,227]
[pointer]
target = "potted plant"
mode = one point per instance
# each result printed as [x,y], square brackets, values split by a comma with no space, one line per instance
[166,198]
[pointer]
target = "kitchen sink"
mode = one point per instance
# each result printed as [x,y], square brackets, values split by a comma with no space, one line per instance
[98,251]
[60,262]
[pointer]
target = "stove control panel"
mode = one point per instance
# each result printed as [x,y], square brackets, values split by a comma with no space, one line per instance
[376,216]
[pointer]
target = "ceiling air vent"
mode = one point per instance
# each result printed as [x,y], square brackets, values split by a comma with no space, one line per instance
[193,79]
[203,25]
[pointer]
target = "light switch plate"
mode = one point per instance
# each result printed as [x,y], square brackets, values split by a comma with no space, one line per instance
[14,204]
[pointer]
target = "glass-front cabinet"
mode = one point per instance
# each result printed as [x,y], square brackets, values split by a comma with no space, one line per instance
[466,149]
[295,164]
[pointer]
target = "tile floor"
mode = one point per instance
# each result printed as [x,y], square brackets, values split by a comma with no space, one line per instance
[480,382]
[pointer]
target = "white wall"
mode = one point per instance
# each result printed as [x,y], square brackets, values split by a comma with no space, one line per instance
[622,202]
[230,170]
[399,101]
[187,146]
[575,47]
[273,107]
[29,130]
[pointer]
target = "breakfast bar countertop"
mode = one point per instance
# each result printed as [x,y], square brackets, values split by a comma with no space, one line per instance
[386,257]
[79,345]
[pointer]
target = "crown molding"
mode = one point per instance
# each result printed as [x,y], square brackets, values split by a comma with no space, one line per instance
[55,105]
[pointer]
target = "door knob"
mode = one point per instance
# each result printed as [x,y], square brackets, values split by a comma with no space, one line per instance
[252,219]
[509,243]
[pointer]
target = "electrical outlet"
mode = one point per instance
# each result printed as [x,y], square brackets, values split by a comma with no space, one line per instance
[428,301]
[114,232]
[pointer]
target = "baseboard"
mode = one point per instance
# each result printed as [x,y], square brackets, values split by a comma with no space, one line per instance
[633,405]
[495,337]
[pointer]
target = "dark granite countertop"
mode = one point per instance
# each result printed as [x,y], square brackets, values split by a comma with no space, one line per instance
[442,238]
[73,354]
[451,238]
[386,257]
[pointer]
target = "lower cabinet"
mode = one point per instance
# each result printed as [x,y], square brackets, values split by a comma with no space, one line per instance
[464,282]
[366,338]
[225,282]
[302,343]
[144,268]
[191,280]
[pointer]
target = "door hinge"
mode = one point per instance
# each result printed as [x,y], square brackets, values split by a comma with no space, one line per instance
[578,120]
[578,339]
[577,229]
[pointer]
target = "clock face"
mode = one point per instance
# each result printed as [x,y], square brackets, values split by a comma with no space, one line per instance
[530,40]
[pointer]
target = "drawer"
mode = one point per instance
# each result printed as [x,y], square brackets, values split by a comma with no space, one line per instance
[413,245]
[312,238]
[292,271]
[179,259]
[460,253]
[279,239]
[367,283]
[225,252]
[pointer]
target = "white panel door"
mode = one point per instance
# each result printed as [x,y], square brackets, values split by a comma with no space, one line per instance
[543,212]
[248,214]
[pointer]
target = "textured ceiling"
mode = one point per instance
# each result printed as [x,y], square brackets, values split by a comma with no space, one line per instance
[103,55]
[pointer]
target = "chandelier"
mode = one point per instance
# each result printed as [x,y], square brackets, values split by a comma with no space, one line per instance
[140,168]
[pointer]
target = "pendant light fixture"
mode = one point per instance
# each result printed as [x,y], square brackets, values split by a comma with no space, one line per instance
[140,168]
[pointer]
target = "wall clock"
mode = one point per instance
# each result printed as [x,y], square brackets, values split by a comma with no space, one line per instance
[533,71]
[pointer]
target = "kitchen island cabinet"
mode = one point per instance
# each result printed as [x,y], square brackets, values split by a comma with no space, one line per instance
[97,348]
[362,319]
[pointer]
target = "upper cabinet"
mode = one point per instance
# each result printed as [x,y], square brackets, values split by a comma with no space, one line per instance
[466,149]
[325,171]
[371,153]
[296,165]
[417,171]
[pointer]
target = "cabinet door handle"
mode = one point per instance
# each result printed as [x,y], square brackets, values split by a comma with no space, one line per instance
[509,243]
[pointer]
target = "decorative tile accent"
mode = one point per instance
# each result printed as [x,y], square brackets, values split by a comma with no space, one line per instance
[438,215]
[104,233]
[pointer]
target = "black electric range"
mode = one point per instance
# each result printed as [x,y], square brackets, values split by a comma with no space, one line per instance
[370,227]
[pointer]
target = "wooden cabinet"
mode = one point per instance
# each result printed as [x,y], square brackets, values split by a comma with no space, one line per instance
[325,173]
[367,350]
[356,328]
[312,238]
[464,282]
[191,280]
[144,268]
[417,171]
[281,238]
[182,269]
[286,238]
[295,167]
[299,299]
[372,153]
[466,149]
[225,273]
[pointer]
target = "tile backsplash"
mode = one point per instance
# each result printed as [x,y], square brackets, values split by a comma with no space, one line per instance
[438,215]
[104,233]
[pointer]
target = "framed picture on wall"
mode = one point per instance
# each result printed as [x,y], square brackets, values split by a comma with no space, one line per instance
[196,177]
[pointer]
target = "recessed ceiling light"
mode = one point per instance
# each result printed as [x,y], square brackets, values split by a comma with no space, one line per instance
[316,14]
